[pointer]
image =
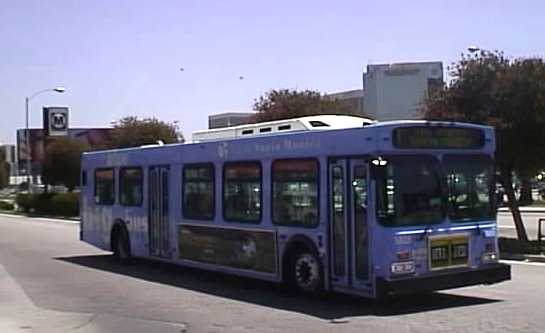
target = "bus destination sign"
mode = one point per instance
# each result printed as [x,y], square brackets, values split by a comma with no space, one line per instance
[438,138]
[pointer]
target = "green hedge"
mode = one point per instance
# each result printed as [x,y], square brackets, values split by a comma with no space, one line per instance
[60,204]
[5,205]
[24,202]
[65,204]
[41,203]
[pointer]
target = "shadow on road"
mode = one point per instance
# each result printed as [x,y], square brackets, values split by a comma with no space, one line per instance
[270,294]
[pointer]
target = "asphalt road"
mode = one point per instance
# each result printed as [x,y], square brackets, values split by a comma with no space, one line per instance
[51,282]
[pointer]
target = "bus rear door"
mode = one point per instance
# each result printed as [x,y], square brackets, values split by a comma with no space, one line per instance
[349,245]
[159,211]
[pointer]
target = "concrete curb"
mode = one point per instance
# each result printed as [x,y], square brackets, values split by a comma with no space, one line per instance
[524,210]
[39,218]
[523,257]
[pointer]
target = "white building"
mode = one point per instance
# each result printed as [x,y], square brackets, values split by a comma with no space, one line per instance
[397,91]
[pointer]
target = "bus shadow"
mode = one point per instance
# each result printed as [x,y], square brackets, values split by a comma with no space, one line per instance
[329,307]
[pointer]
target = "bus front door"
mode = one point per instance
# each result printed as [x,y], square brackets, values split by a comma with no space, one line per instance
[348,179]
[158,227]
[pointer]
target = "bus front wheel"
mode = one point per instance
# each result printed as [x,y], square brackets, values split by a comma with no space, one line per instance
[306,272]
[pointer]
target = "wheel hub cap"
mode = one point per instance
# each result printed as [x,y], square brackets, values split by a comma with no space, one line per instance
[307,273]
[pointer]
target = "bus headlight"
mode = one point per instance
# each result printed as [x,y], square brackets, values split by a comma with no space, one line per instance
[404,267]
[489,257]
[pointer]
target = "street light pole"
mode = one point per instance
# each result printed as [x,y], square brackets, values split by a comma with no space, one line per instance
[27,132]
[27,144]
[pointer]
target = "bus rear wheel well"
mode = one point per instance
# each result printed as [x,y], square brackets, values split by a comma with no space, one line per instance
[120,241]
[296,245]
[117,227]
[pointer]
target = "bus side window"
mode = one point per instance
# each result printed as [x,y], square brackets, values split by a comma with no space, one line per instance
[295,192]
[104,187]
[83,178]
[242,192]
[130,186]
[198,192]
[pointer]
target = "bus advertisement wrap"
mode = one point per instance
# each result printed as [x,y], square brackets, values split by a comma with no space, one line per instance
[244,249]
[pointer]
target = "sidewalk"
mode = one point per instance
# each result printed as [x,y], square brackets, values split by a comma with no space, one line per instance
[19,314]
[524,209]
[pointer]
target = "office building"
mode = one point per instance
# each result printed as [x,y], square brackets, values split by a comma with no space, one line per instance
[398,91]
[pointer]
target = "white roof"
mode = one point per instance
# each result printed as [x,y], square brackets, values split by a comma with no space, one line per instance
[321,122]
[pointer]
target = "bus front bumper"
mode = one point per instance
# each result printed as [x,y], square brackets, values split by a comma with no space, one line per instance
[489,274]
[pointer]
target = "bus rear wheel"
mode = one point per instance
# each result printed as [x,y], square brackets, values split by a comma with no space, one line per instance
[121,246]
[306,272]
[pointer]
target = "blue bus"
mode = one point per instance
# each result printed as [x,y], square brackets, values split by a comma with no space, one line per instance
[375,210]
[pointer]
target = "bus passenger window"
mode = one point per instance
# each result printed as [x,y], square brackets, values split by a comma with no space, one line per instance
[130,183]
[242,192]
[104,187]
[295,192]
[198,187]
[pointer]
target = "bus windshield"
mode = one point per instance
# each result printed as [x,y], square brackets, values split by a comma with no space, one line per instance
[417,190]
[409,191]
[469,182]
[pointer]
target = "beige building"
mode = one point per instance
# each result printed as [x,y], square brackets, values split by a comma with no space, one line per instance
[397,91]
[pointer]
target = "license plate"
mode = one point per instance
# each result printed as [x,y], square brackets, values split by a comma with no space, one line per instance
[448,251]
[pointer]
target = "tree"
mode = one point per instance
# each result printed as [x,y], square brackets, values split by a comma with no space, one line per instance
[132,132]
[286,103]
[62,162]
[488,88]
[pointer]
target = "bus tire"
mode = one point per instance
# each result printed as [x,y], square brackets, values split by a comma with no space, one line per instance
[306,272]
[120,245]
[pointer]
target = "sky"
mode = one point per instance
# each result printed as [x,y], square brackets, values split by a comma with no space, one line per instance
[123,58]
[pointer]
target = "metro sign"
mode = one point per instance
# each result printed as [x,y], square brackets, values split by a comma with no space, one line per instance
[59,121]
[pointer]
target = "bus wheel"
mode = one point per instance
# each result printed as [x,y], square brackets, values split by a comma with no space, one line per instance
[306,272]
[121,246]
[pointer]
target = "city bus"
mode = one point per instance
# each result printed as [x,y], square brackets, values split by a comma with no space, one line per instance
[372,209]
